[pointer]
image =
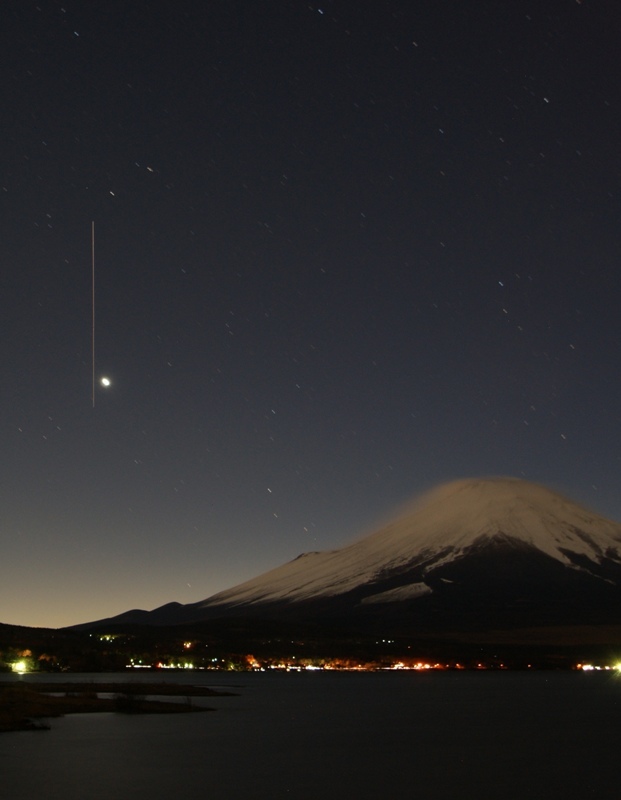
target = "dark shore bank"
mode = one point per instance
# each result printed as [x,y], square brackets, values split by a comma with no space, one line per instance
[26,706]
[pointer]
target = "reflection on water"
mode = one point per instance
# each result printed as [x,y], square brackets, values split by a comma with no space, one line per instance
[324,735]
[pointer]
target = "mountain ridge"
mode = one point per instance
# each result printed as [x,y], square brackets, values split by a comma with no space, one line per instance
[473,551]
[439,527]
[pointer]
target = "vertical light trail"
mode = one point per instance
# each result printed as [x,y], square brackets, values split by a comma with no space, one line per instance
[93,306]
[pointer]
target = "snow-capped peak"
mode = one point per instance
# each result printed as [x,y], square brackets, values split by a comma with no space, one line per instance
[440,527]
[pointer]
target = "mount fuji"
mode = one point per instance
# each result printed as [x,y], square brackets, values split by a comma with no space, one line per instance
[474,553]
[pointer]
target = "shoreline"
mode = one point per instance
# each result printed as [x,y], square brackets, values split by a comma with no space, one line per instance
[25,706]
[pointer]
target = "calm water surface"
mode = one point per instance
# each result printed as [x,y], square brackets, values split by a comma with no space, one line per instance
[323,735]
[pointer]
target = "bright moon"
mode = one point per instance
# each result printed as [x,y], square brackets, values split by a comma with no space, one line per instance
[105,381]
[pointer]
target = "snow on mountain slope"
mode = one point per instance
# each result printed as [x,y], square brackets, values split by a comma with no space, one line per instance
[441,527]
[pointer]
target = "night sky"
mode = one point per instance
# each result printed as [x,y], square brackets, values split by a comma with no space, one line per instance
[344,251]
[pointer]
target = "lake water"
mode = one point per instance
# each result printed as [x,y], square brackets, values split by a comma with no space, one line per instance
[322,735]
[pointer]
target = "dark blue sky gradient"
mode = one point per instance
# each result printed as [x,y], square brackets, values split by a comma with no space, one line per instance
[344,251]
